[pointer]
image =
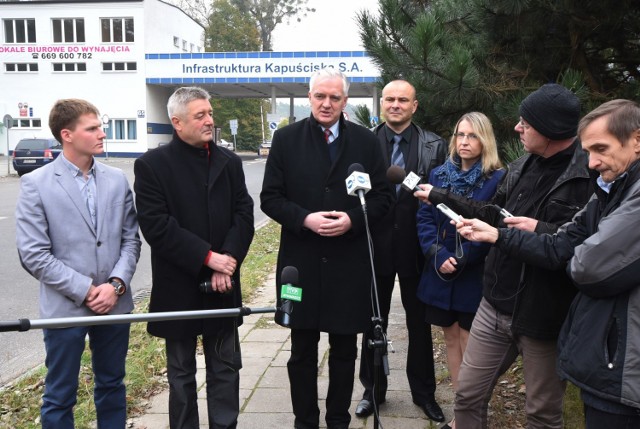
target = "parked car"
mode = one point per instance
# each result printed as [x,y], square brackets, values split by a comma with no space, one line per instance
[225,144]
[264,148]
[31,154]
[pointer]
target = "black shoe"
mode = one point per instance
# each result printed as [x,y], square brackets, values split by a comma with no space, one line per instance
[432,410]
[364,408]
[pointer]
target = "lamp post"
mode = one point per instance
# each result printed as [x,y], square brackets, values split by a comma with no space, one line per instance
[105,125]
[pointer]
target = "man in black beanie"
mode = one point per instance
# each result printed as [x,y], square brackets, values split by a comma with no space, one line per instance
[523,307]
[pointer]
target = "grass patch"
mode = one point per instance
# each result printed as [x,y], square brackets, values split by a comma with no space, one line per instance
[146,362]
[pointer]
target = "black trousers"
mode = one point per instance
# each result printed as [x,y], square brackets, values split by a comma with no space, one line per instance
[303,378]
[597,419]
[420,370]
[223,363]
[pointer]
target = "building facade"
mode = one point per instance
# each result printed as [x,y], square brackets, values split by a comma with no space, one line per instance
[127,57]
[93,50]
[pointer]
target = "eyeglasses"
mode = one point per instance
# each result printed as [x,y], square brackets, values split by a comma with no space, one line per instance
[523,124]
[470,136]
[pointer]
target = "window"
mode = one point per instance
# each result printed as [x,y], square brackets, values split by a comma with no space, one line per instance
[68,30]
[69,67]
[176,42]
[122,129]
[118,67]
[19,31]
[27,123]
[184,45]
[117,30]
[20,67]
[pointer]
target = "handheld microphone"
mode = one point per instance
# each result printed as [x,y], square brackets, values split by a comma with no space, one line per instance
[358,182]
[205,287]
[288,292]
[397,176]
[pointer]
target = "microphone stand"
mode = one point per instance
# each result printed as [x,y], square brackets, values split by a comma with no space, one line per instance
[379,343]
[22,325]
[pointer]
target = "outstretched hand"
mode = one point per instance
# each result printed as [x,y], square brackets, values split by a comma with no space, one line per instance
[477,230]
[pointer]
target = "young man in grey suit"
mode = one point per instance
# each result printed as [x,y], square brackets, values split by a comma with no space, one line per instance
[77,234]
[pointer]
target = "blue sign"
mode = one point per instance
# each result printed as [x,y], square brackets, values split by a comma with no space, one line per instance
[273,126]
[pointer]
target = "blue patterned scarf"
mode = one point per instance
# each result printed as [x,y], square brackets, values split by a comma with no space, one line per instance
[460,182]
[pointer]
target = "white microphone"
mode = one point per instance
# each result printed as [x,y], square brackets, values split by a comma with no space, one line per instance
[358,183]
[410,183]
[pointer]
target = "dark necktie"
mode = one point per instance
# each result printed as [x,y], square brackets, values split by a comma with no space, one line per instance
[397,158]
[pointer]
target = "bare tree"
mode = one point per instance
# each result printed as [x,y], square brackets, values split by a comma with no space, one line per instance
[269,13]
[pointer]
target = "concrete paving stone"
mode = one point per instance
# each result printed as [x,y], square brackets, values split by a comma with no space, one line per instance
[402,423]
[201,378]
[265,396]
[278,334]
[203,414]
[282,358]
[270,400]
[275,377]
[265,420]
[249,381]
[255,365]
[151,421]
[160,401]
[245,329]
[244,394]
[260,349]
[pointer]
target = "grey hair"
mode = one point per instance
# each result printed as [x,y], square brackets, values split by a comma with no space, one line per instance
[178,101]
[329,73]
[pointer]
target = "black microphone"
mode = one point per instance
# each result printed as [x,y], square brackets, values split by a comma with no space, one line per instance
[205,287]
[409,182]
[288,292]
[358,182]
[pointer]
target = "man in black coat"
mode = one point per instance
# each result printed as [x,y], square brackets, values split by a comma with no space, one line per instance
[196,214]
[323,236]
[397,250]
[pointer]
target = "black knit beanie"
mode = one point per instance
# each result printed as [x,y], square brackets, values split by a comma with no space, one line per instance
[553,111]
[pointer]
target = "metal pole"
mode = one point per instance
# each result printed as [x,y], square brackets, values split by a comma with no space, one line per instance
[105,125]
[8,157]
[67,322]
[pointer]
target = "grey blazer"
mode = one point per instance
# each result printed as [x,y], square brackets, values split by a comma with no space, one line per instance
[58,244]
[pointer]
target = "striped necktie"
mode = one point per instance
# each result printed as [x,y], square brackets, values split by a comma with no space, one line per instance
[397,158]
[327,135]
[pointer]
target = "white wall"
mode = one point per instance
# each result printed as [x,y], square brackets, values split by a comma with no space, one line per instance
[121,95]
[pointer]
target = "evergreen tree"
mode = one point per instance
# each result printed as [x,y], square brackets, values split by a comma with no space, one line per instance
[487,55]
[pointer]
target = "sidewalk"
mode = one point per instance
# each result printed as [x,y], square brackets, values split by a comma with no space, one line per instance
[265,400]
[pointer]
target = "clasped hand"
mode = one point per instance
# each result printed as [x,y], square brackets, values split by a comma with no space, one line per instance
[328,224]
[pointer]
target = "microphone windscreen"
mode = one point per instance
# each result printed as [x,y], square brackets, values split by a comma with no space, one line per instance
[355,167]
[396,174]
[289,276]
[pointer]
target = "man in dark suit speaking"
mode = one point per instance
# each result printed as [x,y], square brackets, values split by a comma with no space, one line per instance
[323,236]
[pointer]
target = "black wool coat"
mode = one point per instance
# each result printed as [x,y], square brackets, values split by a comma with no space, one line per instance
[187,205]
[334,272]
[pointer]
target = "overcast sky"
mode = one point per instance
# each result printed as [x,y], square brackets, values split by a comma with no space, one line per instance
[332,27]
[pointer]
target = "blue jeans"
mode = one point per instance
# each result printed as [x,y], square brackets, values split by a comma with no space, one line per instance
[109,345]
